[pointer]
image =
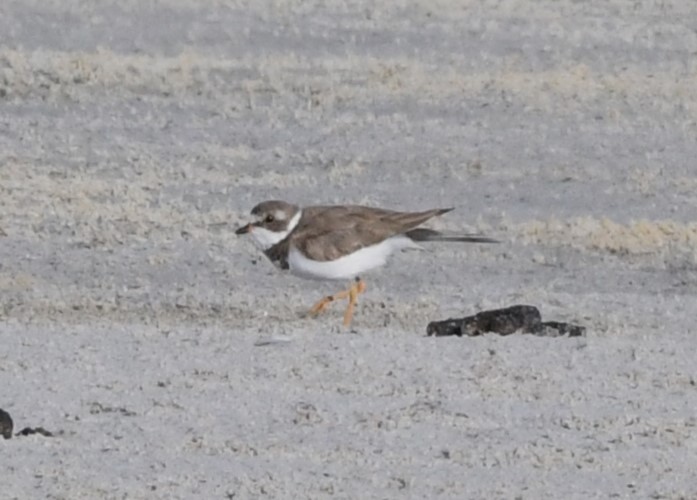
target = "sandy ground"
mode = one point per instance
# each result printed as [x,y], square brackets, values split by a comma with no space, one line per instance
[171,361]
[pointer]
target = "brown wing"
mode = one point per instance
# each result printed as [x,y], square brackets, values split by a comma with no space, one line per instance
[344,229]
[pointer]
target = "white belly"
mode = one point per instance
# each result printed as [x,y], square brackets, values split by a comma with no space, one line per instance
[348,266]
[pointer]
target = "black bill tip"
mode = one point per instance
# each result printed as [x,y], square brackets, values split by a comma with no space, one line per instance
[244,229]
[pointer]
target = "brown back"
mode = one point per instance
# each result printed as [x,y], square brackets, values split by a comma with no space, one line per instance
[344,229]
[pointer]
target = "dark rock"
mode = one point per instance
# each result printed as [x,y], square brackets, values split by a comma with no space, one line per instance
[28,431]
[502,321]
[445,328]
[518,318]
[6,424]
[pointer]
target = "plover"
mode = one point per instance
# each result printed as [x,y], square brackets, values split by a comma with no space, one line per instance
[339,242]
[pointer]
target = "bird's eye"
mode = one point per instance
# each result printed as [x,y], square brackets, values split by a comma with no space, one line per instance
[268,219]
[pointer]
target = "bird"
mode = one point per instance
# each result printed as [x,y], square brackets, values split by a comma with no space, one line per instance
[340,242]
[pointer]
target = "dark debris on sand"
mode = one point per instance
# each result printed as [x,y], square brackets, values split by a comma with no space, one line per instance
[518,318]
[6,424]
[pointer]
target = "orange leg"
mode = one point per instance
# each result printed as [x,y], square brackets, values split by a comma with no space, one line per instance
[352,293]
[356,289]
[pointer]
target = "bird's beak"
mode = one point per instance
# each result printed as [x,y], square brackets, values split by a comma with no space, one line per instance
[244,230]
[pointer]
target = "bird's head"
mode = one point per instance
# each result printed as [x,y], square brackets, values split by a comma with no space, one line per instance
[273,221]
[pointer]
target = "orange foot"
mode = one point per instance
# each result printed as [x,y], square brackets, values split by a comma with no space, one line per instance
[352,293]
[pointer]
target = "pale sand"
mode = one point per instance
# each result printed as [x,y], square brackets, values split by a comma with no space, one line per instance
[174,362]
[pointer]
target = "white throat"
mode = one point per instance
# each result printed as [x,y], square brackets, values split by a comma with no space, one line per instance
[265,239]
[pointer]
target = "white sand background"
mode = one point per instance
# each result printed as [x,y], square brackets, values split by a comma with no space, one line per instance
[134,138]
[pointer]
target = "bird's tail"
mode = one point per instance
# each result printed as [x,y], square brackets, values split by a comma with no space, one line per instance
[423,234]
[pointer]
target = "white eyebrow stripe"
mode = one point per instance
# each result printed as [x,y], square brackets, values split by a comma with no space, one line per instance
[265,239]
[294,221]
